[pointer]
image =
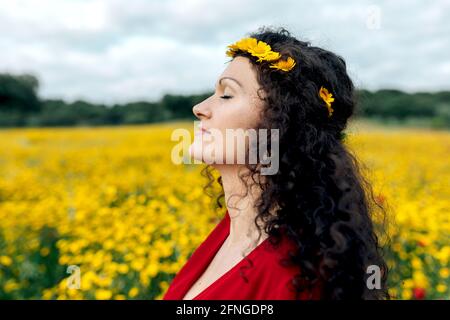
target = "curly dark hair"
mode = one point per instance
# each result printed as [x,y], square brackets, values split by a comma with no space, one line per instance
[322,199]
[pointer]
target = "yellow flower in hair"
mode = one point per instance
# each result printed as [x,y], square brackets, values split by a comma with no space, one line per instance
[244,44]
[328,98]
[261,49]
[270,56]
[284,65]
[247,44]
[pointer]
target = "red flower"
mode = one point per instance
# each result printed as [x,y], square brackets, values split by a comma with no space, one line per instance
[419,293]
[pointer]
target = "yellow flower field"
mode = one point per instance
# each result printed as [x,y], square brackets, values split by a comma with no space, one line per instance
[109,201]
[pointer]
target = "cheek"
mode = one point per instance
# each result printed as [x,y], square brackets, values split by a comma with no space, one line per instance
[241,113]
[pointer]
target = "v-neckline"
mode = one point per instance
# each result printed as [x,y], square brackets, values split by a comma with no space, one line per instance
[227,273]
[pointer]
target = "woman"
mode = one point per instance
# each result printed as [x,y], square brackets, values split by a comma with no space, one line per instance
[306,231]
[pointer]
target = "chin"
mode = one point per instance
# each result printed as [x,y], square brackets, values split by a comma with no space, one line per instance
[201,152]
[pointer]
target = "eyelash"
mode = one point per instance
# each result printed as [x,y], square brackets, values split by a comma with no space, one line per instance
[226,97]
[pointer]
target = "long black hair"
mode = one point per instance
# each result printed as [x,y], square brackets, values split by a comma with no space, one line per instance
[322,199]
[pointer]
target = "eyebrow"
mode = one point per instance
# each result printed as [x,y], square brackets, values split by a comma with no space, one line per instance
[230,78]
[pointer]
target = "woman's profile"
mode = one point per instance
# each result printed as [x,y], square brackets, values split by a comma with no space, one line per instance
[305,231]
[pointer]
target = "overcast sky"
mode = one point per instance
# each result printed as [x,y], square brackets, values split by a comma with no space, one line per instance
[118,51]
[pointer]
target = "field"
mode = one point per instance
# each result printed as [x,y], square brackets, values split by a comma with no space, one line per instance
[109,201]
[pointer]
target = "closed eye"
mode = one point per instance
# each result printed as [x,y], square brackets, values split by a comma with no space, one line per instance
[226,97]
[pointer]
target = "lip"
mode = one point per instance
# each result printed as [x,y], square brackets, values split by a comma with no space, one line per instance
[201,132]
[202,129]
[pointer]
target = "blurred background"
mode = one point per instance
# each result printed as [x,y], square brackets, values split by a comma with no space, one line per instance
[91,205]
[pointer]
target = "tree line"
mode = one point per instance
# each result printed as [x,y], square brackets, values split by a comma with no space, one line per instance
[20,106]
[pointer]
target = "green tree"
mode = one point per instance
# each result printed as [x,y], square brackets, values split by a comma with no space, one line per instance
[18,98]
[19,93]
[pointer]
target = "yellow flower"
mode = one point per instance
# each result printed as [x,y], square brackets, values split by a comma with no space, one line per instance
[269,56]
[123,268]
[244,44]
[416,263]
[328,98]
[133,292]
[247,44]
[420,280]
[10,285]
[260,50]
[102,294]
[444,273]
[408,284]
[441,288]
[406,294]
[5,260]
[44,251]
[284,65]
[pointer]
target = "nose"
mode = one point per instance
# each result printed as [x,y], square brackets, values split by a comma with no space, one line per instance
[201,110]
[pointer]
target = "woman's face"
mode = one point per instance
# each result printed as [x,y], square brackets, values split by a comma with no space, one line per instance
[234,105]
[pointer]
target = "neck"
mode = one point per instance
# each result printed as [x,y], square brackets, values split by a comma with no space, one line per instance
[240,206]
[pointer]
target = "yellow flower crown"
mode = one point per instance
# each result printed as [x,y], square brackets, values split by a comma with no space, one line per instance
[264,52]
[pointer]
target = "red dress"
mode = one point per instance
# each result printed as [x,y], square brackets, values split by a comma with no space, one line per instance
[261,278]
